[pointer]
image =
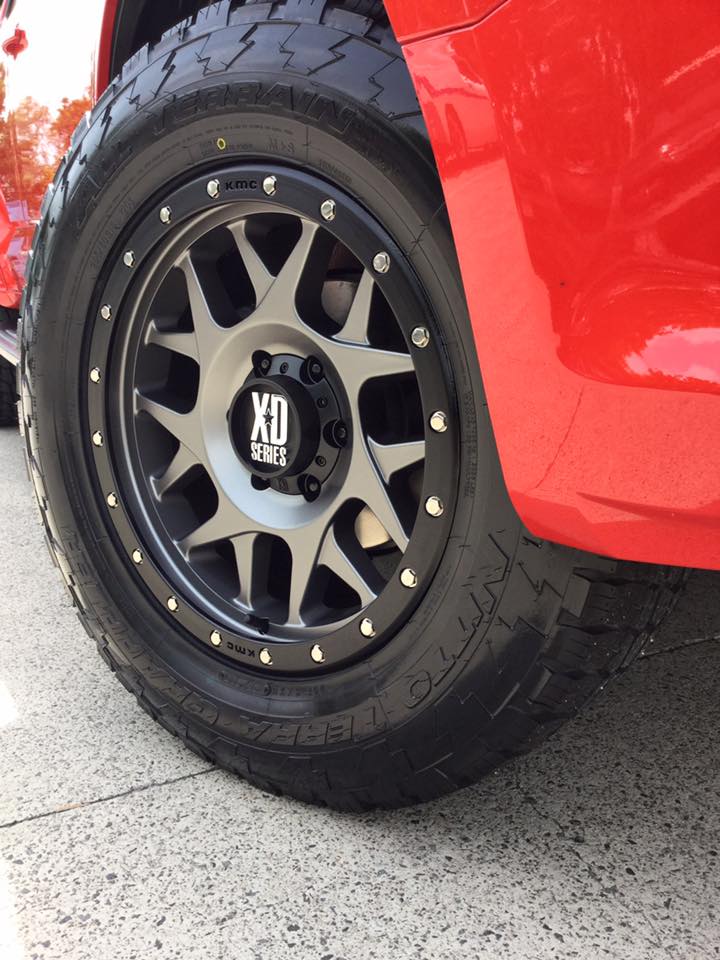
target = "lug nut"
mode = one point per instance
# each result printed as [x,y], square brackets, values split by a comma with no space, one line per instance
[262,363]
[213,189]
[95,375]
[317,654]
[98,439]
[137,557]
[112,501]
[216,638]
[338,434]
[314,370]
[420,337]
[166,215]
[408,578]
[367,628]
[129,259]
[310,487]
[265,657]
[381,262]
[270,186]
[328,209]
[173,605]
[106,312]
[434,506]
[439,421]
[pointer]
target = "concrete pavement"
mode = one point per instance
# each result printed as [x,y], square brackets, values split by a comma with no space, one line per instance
[117,843]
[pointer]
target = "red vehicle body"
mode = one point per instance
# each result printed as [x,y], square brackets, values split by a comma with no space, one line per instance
[578,144]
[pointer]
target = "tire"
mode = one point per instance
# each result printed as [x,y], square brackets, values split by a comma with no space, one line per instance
[511,636]
[8,394]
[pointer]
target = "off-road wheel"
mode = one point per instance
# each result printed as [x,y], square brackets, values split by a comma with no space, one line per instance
[257,430]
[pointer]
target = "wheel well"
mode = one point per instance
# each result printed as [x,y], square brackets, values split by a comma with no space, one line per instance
[144,21]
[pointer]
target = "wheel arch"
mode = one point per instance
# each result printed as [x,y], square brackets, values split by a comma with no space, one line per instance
[130,24]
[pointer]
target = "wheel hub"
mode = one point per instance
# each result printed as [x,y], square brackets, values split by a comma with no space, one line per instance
[286,425]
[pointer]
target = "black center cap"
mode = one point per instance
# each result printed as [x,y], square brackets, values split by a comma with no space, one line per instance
[275,426]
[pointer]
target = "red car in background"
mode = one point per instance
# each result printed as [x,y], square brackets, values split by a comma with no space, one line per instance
[368,360]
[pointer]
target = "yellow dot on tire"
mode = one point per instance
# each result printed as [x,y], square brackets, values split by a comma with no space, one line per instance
[221,143]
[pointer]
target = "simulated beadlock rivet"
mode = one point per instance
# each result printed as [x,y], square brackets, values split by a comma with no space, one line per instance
[173,605]
[129,259]
[112,501]
[367,628]
[137,557]
[408,578]
[328,209]
[439,421]
[95,375]
[265,657]
[166,215]
[270,185]
[381,263]
[106,312]
[216,638]
[317,654]
[420,337]
[213,189]
[98,439]
[434,506]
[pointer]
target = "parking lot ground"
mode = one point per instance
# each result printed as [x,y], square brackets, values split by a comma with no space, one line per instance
[117,843]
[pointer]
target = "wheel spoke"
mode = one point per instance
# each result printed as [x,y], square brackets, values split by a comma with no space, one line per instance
[208,334]
[185,427]
[280,298]
[393,457]
[367,485]
[351,564]
[183,461]
[183,343]
[245,547]
[304,551]
[260,277]
[356,326]
[359,364]
[226,523]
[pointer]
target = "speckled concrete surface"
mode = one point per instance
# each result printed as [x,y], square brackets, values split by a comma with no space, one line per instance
[606,843]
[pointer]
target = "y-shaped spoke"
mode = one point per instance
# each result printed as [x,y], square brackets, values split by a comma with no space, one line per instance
[226,523]
[356,326]
[280,298]
[260,277]
[348,561]
[183,343]
[304,546]
[183,461]
[366,484]
[245,549]
[393,457]
[359,364]
[208,333]
[185,427]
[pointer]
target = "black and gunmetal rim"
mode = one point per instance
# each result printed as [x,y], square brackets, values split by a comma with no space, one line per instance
[234,290]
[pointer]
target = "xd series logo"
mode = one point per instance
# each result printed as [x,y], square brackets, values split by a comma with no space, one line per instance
[268,441]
